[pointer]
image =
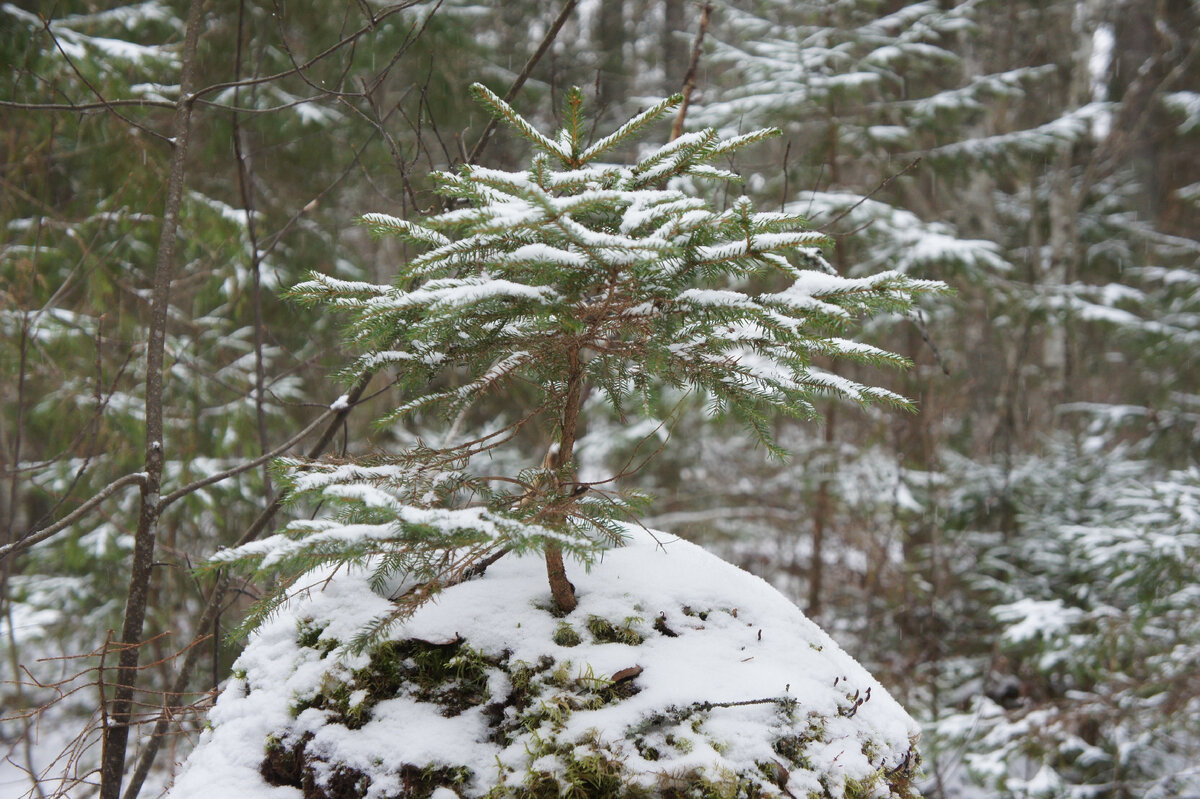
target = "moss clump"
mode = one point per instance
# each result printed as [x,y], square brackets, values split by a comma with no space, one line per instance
[594,775]
[292,765]
[791,749]
[543,701]
[565,635]
[284,763]
[695,784]
[339,783]
[525,683]
[308,635]
[450,674]
[606,632]
[589,770]
[510,716]
[682,744]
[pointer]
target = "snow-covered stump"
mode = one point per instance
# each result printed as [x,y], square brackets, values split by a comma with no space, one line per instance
[677,675]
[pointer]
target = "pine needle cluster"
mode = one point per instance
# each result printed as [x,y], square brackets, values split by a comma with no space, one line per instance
[571,277]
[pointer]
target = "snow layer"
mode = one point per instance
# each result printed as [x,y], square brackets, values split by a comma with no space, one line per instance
[712,636]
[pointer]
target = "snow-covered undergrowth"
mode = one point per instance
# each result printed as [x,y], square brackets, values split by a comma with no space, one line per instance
[677,675]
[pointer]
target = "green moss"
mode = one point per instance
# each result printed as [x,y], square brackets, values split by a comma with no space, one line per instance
[593,775]
[698,784]
[606,632]
[283,764]
[861,789]
[561,676]
[308,636]
[681,744]
[565,635]
[552,608]
[437,776]
[792,749]
[539,705]
[451,675]
[589,770]
[647,751]
[292,765]
[525,684]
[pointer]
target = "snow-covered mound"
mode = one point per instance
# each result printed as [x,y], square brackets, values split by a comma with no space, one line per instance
[677,675]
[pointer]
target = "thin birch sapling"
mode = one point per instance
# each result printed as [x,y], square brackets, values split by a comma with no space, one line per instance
[570,277]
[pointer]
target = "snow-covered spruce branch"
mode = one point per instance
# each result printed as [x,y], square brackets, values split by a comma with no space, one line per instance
[100,98]
[504,111]
[630,128]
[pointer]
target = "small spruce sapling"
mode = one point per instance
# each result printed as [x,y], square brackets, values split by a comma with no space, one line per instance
[575,275]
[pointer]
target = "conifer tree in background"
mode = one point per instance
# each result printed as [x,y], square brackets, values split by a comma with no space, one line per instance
[571,277]
[87,157]
[1088,605]
[1040,187]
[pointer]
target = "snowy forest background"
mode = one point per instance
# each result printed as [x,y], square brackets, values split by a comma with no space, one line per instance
[1016,562]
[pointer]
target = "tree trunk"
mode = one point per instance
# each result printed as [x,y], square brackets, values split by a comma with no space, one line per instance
[559,457]
[609,40]
[116,731]
[822,517]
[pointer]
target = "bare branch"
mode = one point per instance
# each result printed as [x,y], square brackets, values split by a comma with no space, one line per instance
[547,40]
[321,56]
[103,101]
[919,319]
[266,457]
[882,184]
[212,608]
[104,105]
[116,731]
[269,243]
[46,532]
[245,175]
